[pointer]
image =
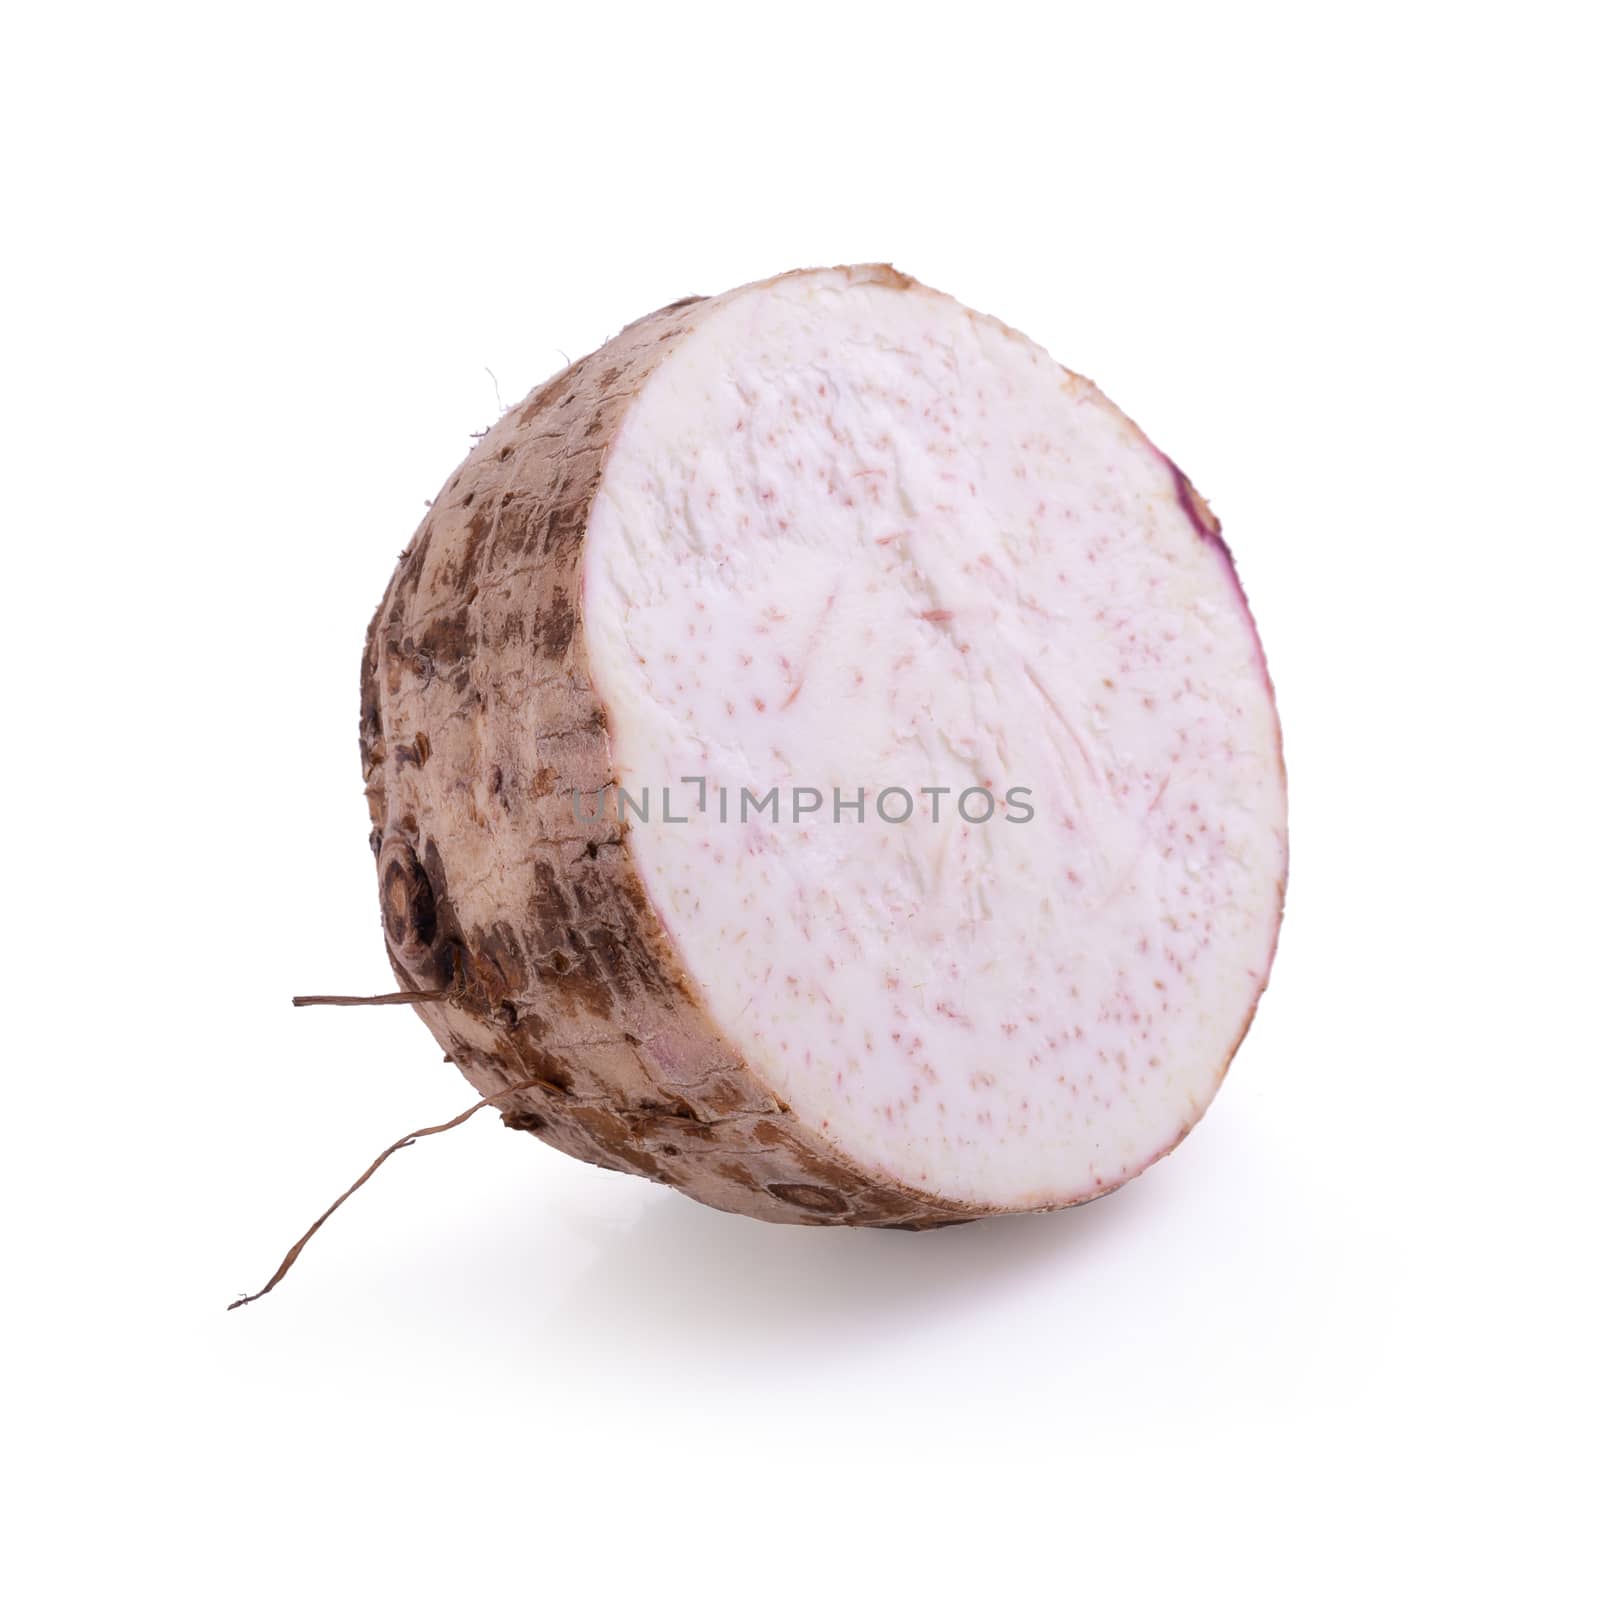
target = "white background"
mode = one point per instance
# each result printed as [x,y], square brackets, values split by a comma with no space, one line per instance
[260,264]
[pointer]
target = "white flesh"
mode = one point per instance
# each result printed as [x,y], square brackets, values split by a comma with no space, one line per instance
[856,535]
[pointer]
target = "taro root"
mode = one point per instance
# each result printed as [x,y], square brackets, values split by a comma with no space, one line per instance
[675,649]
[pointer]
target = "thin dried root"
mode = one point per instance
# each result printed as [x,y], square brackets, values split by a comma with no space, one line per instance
[406,997]
[399,1144]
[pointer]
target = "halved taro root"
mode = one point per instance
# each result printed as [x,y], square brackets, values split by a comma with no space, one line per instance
[787,564]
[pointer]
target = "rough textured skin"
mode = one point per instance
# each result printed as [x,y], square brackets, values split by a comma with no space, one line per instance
[478,720]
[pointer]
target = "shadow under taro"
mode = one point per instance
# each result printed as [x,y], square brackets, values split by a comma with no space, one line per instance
[688,1287]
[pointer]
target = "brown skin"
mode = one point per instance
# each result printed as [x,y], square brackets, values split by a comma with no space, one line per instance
[478,720]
